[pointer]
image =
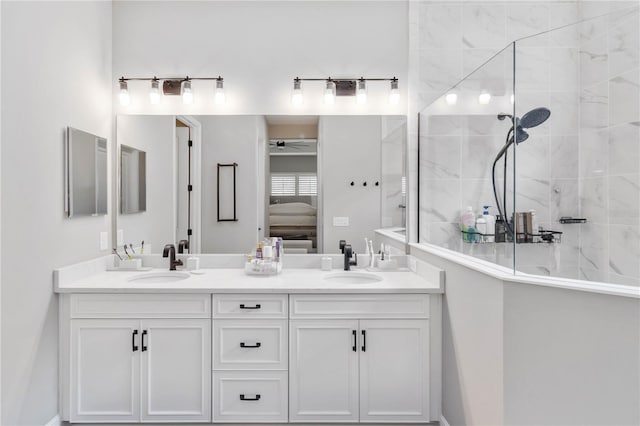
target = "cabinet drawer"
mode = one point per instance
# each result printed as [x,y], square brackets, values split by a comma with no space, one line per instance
[250,396]
[256,344]
[250,305]
[359,306]
[140,305]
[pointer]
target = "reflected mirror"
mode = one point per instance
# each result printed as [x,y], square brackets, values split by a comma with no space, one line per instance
[133,184]
[313,180]
[85,174]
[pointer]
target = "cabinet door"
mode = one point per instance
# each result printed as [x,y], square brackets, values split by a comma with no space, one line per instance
[105,367]
[176,370]
[323,370]
[394,370]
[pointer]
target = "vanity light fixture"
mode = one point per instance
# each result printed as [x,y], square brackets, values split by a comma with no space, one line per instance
[171,86]
[296,95]
[219,97]
[484,98]
[330,92]
[451,98]
[356,87]
[154,93]
[124,93]
[361,92]
[187,94]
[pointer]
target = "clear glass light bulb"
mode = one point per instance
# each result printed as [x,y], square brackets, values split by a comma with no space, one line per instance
[124,94]
[484,98]
[154,93]
[361,92]
[219,96]
[296,95]
[330,93]
[451,98]
[394,94]
[187,94]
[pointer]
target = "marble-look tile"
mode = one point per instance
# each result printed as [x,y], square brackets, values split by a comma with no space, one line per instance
[440,69]
[624,148]
[594,153]
[484,71]
[487,125]
[594,19]
[624,46]
[594,64]
[563,18]
[564,156]
[564,68]
[440,157]
[441,125]
[532,157]
[440,200]
[624,98]
[624,250]
[594,250]
[564,198]
[565,113]
[624,280]
[533,194]
[594,107]
[624,199]
[477,193]
[445,235]
[594,275]
[484,25]
[593,200]
[477,155]
[532,68]
[440,25]
[526,20]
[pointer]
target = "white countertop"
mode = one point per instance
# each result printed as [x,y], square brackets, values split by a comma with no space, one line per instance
[234,280]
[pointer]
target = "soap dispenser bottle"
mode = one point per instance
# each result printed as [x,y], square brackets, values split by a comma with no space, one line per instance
[468,221]
[490,220]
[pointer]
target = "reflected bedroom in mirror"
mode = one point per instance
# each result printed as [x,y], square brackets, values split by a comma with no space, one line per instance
[312,180]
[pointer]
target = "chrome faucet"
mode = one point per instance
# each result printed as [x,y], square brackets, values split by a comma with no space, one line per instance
[348,253]
[170,252]
[182,245]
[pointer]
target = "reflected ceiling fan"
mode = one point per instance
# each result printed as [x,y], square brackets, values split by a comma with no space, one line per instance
[296,144]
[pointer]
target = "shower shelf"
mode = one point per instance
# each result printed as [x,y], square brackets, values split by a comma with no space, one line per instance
[546,236]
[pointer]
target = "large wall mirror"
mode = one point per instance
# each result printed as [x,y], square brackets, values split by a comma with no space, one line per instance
[313,180]
[85,174]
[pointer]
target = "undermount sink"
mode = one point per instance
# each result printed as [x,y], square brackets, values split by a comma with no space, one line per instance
[352,277]
[159,277]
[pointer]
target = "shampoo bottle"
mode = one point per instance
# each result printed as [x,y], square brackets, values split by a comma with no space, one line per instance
[490,220]
[468,221]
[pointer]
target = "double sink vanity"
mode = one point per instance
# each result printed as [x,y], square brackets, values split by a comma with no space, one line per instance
[218,346]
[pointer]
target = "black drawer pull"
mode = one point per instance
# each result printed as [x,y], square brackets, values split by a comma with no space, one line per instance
[355,337]
[244,345]
[144,347]
[242,306]
[133,340]
[364,340]
[256,398]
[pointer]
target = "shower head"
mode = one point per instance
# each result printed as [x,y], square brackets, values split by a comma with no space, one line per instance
[534,118]
[521,135]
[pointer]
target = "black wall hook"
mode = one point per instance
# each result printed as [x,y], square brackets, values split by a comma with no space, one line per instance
[352,183]
[377,183]
[364,184]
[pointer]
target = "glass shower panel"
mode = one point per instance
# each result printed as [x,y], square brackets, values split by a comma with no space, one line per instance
[577,181]
[461,134]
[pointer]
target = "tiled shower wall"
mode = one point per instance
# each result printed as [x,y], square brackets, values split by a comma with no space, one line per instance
[609,158]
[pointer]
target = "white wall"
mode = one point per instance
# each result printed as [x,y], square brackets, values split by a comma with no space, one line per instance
[349,148]
[56,72]
[259,48]
[227,140]
[156,136]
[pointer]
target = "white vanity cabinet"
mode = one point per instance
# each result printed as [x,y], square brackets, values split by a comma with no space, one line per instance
[136,358]
[359,358]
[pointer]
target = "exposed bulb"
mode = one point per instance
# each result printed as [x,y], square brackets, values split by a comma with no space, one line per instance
[361,92]
[330,93]
[451,98]
[219,97]
[394,94]
[187,94]
[484,98]
[296,96]
[154,93]
[124,94]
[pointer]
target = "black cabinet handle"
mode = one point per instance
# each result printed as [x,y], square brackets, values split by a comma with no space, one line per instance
[364,340]
[243,398]
[244,345]
[242,306]
[133,340]
[144,333]
[355,336]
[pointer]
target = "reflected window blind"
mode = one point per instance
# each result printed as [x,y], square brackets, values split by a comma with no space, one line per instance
[283,185]
[307,185]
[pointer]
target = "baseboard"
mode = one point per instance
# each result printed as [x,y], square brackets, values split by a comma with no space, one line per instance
[443,421]
[54,421]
